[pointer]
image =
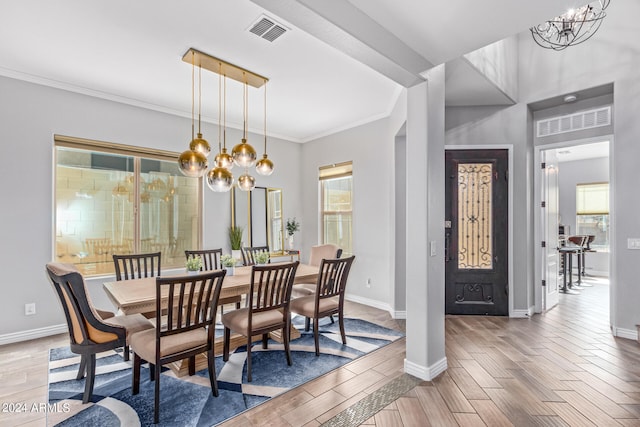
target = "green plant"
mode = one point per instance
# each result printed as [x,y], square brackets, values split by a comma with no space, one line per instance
[194,263]
[235,237]
[228,261]
[292,226]
[262,257]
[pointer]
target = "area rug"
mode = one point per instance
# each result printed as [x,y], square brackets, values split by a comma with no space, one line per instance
[187,401]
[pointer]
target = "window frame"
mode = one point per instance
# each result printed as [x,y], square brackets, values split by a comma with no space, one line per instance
[331,172]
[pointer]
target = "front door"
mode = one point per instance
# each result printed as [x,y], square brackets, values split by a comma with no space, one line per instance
[476,232]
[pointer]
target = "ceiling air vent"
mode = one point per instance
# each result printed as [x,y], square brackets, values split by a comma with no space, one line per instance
[573,122]
[267,28]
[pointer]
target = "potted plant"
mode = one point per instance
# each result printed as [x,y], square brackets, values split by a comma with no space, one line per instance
[229,263]
[292,227]
[235,238]
[262,257]
[194,264]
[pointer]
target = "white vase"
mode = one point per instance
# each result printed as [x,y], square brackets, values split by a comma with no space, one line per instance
[291,242]
[230,270]
[193,272]
[237,254]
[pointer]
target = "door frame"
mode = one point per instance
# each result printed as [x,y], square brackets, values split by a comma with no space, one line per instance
[509,148]
[539,232]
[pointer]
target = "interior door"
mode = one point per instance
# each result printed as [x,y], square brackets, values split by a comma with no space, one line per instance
[550,213]
[476,232]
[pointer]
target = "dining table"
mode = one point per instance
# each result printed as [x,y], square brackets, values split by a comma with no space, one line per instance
[139,296]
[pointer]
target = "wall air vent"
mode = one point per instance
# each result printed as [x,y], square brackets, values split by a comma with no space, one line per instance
[267,28]
[573,122]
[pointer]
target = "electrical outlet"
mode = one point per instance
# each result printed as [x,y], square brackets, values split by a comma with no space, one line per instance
[30,309]
[368,283]
[432,248]
[633,243]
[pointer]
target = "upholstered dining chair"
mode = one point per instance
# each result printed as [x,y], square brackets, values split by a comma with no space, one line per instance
[328,299]
[211,261]
[318,253]
[186,328]
[267,309]
[91,331]
[136,266]
[249,253]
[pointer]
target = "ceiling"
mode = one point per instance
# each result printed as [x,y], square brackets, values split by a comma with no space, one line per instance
[341,63]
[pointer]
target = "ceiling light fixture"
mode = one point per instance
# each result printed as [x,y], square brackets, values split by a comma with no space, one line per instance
[571,28]
[244,155]
[264,165]
[193,163]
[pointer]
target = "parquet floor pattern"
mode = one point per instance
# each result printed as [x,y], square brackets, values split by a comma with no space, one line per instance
[561,368]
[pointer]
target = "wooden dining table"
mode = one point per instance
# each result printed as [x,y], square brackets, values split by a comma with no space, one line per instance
[139,296]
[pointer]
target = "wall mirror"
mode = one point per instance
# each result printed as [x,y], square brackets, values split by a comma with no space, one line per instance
[259,213]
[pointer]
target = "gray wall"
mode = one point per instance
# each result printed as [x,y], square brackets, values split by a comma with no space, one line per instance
[31,114]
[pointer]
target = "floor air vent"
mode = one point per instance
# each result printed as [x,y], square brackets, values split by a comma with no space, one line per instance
[573,122]
[267,28]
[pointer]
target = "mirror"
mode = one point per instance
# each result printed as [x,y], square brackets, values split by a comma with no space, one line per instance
[259,213]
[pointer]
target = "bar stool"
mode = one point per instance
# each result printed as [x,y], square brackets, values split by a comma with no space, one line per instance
[567,253]
[581,241]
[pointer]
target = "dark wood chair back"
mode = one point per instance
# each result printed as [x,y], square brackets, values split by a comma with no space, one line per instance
[210,258]
[249,253]
[332,279]
[136,266]
[271,287]
[88,334]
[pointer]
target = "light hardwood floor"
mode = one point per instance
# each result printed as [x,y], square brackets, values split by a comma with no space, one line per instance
[557,369]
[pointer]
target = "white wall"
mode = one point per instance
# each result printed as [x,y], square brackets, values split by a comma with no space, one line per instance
[499,64]
[31,114]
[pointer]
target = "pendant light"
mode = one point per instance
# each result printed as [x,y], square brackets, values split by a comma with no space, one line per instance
[193,163]
[220,179]
[264,165]
[244,155]
[199,144]
[224,159]
[246,182]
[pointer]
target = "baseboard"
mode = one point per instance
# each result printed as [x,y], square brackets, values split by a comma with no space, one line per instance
[369,302]
[521,314]
[630,334]
[33,334]
[400,315]
[426,373]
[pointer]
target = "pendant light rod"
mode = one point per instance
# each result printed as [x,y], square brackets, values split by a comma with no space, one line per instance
[217,65]
[220,111]
[199,98]
[193,97]
[265,117]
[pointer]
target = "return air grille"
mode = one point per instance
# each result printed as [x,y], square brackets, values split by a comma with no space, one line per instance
[267,28]
[573,122]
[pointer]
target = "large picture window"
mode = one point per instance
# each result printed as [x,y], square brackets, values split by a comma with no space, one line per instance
[592,212]
[113,199]
[336,190]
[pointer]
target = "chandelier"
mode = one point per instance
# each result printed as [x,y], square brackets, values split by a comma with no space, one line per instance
[243,155]
[571,28]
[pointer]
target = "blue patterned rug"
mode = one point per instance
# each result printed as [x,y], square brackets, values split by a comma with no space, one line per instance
[187,401]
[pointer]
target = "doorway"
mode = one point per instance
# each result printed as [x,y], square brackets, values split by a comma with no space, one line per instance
[476,232]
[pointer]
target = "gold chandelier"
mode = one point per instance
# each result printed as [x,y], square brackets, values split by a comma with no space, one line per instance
[220,178]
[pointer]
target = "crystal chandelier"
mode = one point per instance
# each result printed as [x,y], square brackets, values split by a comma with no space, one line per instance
[571,28]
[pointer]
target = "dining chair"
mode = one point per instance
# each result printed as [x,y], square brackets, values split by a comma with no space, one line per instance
[136,266]
[249,253]
[267,309]
[328,298]
[318,253]
[211,261]
[91,330]
[185,313]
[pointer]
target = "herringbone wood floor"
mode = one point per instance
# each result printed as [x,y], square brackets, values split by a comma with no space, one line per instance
[556,369]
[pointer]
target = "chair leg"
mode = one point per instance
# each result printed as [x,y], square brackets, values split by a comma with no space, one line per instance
[238,305]
[192,365]
[126,353]
[156,400]
[91,374]
[225,347]
[83,367]
[265,341]
[212,371]
[135,386]
[316,334]
[341,323]
[287,336]
[152,371]
[331,318]
[306,324]
[249,357]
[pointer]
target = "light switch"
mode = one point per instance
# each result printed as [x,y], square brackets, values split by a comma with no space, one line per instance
[633,243]
[432,247]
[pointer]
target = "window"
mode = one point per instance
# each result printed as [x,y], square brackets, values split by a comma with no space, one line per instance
[120,199]
[592,212]
[336,192]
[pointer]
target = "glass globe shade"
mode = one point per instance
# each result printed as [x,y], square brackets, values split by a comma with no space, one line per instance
[224,160]
[219,180]
[246,182]
[244,155]
[264,166]
[200,145]
[192,164]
